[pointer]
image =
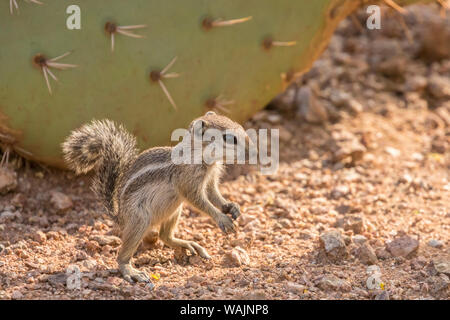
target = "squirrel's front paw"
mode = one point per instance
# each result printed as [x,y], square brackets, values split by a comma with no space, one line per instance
[226,224]
[233,208]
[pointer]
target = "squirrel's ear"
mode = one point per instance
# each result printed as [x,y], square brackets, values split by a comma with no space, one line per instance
[210,113]
[198,127]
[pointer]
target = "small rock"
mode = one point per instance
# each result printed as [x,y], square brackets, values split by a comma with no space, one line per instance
[195,260]
[150,286]
[406,178]
[416,156]
[104,240]
[346,145]
[8,180]
[239,256]
[89,264]
[274,118]
[16,295]
[7,216]
[440,284]
[333,283]
[359,239]
[344,100]
[382,254]
[351,222]
[367,255]
[347,240]
[309,107]
[39,236]
[392,151]
[295,288]
[435,243]
[60,201]
[246,219]
[196,279]
[394,67]
[340,191]
[442,265]
[439,87]
[416,83]
[404,246]
[57,279]
[334,245]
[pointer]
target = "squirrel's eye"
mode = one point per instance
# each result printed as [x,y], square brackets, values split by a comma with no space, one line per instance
[229,138]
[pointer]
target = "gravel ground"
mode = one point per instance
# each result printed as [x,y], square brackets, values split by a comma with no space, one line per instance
[359,208]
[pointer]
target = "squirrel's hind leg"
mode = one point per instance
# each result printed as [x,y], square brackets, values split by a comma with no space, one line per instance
[132,235]
[166,235]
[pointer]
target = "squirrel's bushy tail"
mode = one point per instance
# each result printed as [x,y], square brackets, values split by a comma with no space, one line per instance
[104,147]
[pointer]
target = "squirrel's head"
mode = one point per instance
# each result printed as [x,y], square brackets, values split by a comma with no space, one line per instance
[221,138]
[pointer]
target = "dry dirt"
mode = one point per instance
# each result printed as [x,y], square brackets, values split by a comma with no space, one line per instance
[359,208]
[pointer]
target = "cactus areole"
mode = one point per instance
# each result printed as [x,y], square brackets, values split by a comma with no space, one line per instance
[151,65]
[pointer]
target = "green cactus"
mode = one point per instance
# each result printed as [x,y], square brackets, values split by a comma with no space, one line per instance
[232,55]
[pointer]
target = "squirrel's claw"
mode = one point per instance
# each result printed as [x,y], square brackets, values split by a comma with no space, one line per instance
[226,225]
[232,208]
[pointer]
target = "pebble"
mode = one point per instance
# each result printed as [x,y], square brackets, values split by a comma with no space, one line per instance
[403,246]
[435,243]
[60,201]
[351,222]
[344,100]
[150,286]
[331,282]
[416,83]
[239,256]
[89,264]
[442,265]
[39,236]
[334,245]
[6,216]
[58,278]
[367,255]
[349,147]
[382,253]
[392,152]
[439,86]
[16,295]
[340,191]
[417,157]
[274,118]
[295,288]
[359,239]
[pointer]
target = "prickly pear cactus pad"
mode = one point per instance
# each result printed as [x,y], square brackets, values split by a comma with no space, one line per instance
[151,65]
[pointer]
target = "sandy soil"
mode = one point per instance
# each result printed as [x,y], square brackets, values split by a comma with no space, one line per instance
[359,208]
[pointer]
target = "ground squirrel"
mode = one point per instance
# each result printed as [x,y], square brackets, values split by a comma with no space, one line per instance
[146,190]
